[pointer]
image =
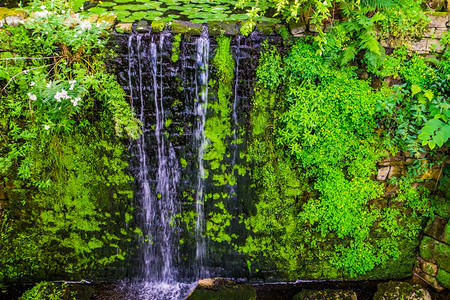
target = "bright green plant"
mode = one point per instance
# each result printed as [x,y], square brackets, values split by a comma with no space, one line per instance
[63,122]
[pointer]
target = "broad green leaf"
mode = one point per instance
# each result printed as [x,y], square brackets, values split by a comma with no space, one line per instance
[432,144]
[424,136]
[435,123]
[446,130]
[439,138]
[428,129]
[415,89]
[429,95]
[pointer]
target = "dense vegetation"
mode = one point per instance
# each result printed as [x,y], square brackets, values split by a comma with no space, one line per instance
[62,160]
[323,115]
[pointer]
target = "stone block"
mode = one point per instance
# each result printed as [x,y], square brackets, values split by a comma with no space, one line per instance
[108,19]
[438,20]
[433,282]
[394,290]
[226,28]
[419,46]
[427,267]
[297,28]
[186,27]
[434,45]
[436,252]
[436,229]
[383,173]
[124,27]
[434,174]
[158,26]
[142,26]
[93,18]
[265,28]
[439,32]
[396,171]
[220,288]
[443,277]
[391,188]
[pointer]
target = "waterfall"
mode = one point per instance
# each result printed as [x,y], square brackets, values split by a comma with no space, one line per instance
[157,183]
[234,146]
[202,105]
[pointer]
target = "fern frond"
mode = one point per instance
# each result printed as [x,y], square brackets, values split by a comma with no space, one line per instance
[369,43]
[377,4]
[348,54]
[375,59]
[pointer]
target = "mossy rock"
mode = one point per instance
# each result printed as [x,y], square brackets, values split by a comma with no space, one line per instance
[222,289]
[394,290]
[325,295]
[266,28]
[222,28]
[142,26]
[443,278]
[436,228]
[124,27]
[108,19]
[436,252]
[11,17]
[186,27]
[158,26]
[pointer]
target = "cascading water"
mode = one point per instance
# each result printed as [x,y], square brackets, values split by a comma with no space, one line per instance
[201,105]
[158,190]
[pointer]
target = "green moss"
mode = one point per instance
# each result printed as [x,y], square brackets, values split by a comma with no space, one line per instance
[443,278]
[176,52]
[185,27]
[158,26]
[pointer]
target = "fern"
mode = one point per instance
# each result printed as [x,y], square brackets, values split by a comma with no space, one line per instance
[377,4]
[348,54]
[369,43]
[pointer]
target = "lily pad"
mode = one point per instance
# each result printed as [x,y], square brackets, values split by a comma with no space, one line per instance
[122,14]
[107,4]
[97,10]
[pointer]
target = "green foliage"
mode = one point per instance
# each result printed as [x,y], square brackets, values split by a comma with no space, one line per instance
[62,120]
[314,151]
[48,291]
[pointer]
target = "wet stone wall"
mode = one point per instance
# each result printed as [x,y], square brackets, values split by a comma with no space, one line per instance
[171,81]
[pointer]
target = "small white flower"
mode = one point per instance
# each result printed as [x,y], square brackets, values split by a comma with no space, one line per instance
[46,127]
[86,25]
[74,35]
[32,83]
[75,101]
[49,85]
[42,14]
[32,96]
[43,7]
[80,32]
[63,11]
[98,25]
[76,16]
[72,84]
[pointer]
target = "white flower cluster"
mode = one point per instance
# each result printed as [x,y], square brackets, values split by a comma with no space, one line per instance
[72,84]
[46,127]
[61,95]
[43,13]
[32,96]
[75,101]
[86,25]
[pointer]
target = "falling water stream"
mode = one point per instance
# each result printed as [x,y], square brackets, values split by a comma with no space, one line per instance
[158,172]
[201,104]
